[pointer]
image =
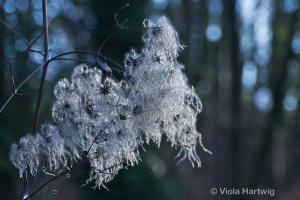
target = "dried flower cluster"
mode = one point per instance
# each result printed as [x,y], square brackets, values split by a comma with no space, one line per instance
[104,122]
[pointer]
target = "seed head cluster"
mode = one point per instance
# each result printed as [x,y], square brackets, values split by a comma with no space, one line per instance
[106,122]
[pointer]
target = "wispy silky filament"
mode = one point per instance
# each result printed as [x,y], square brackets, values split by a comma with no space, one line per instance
[106,123]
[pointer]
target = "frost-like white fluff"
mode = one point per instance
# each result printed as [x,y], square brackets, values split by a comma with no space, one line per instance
[106,121]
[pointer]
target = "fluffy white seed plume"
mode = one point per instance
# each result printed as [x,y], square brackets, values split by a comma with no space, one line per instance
[25,155]
[52,147]
[105,122]
[46,146]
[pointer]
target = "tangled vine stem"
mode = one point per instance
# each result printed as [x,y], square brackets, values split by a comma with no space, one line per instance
[55,58]
[55,177]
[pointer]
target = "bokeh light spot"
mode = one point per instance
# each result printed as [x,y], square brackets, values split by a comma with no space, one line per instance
[160,4]
[213,32]
[263,99]
[249,75]
[290,103]
[20,45]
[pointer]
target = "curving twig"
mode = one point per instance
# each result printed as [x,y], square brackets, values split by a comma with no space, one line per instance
[122,24]
[96,137]
[19,87]
[16,33]
[30,44]
[42,186]
[13,83]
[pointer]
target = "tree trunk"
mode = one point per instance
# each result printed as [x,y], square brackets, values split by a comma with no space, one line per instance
[278,74]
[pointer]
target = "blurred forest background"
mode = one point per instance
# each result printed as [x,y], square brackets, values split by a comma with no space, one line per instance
[243,58]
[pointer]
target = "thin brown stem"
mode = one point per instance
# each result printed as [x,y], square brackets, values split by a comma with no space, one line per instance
[34,41]
[14,31]
[43,185]
[19,87]
[64,173]
[122,25]
[76,60]
[17,34]
[96,137]
[14,85]
[46,31]
[44,73]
